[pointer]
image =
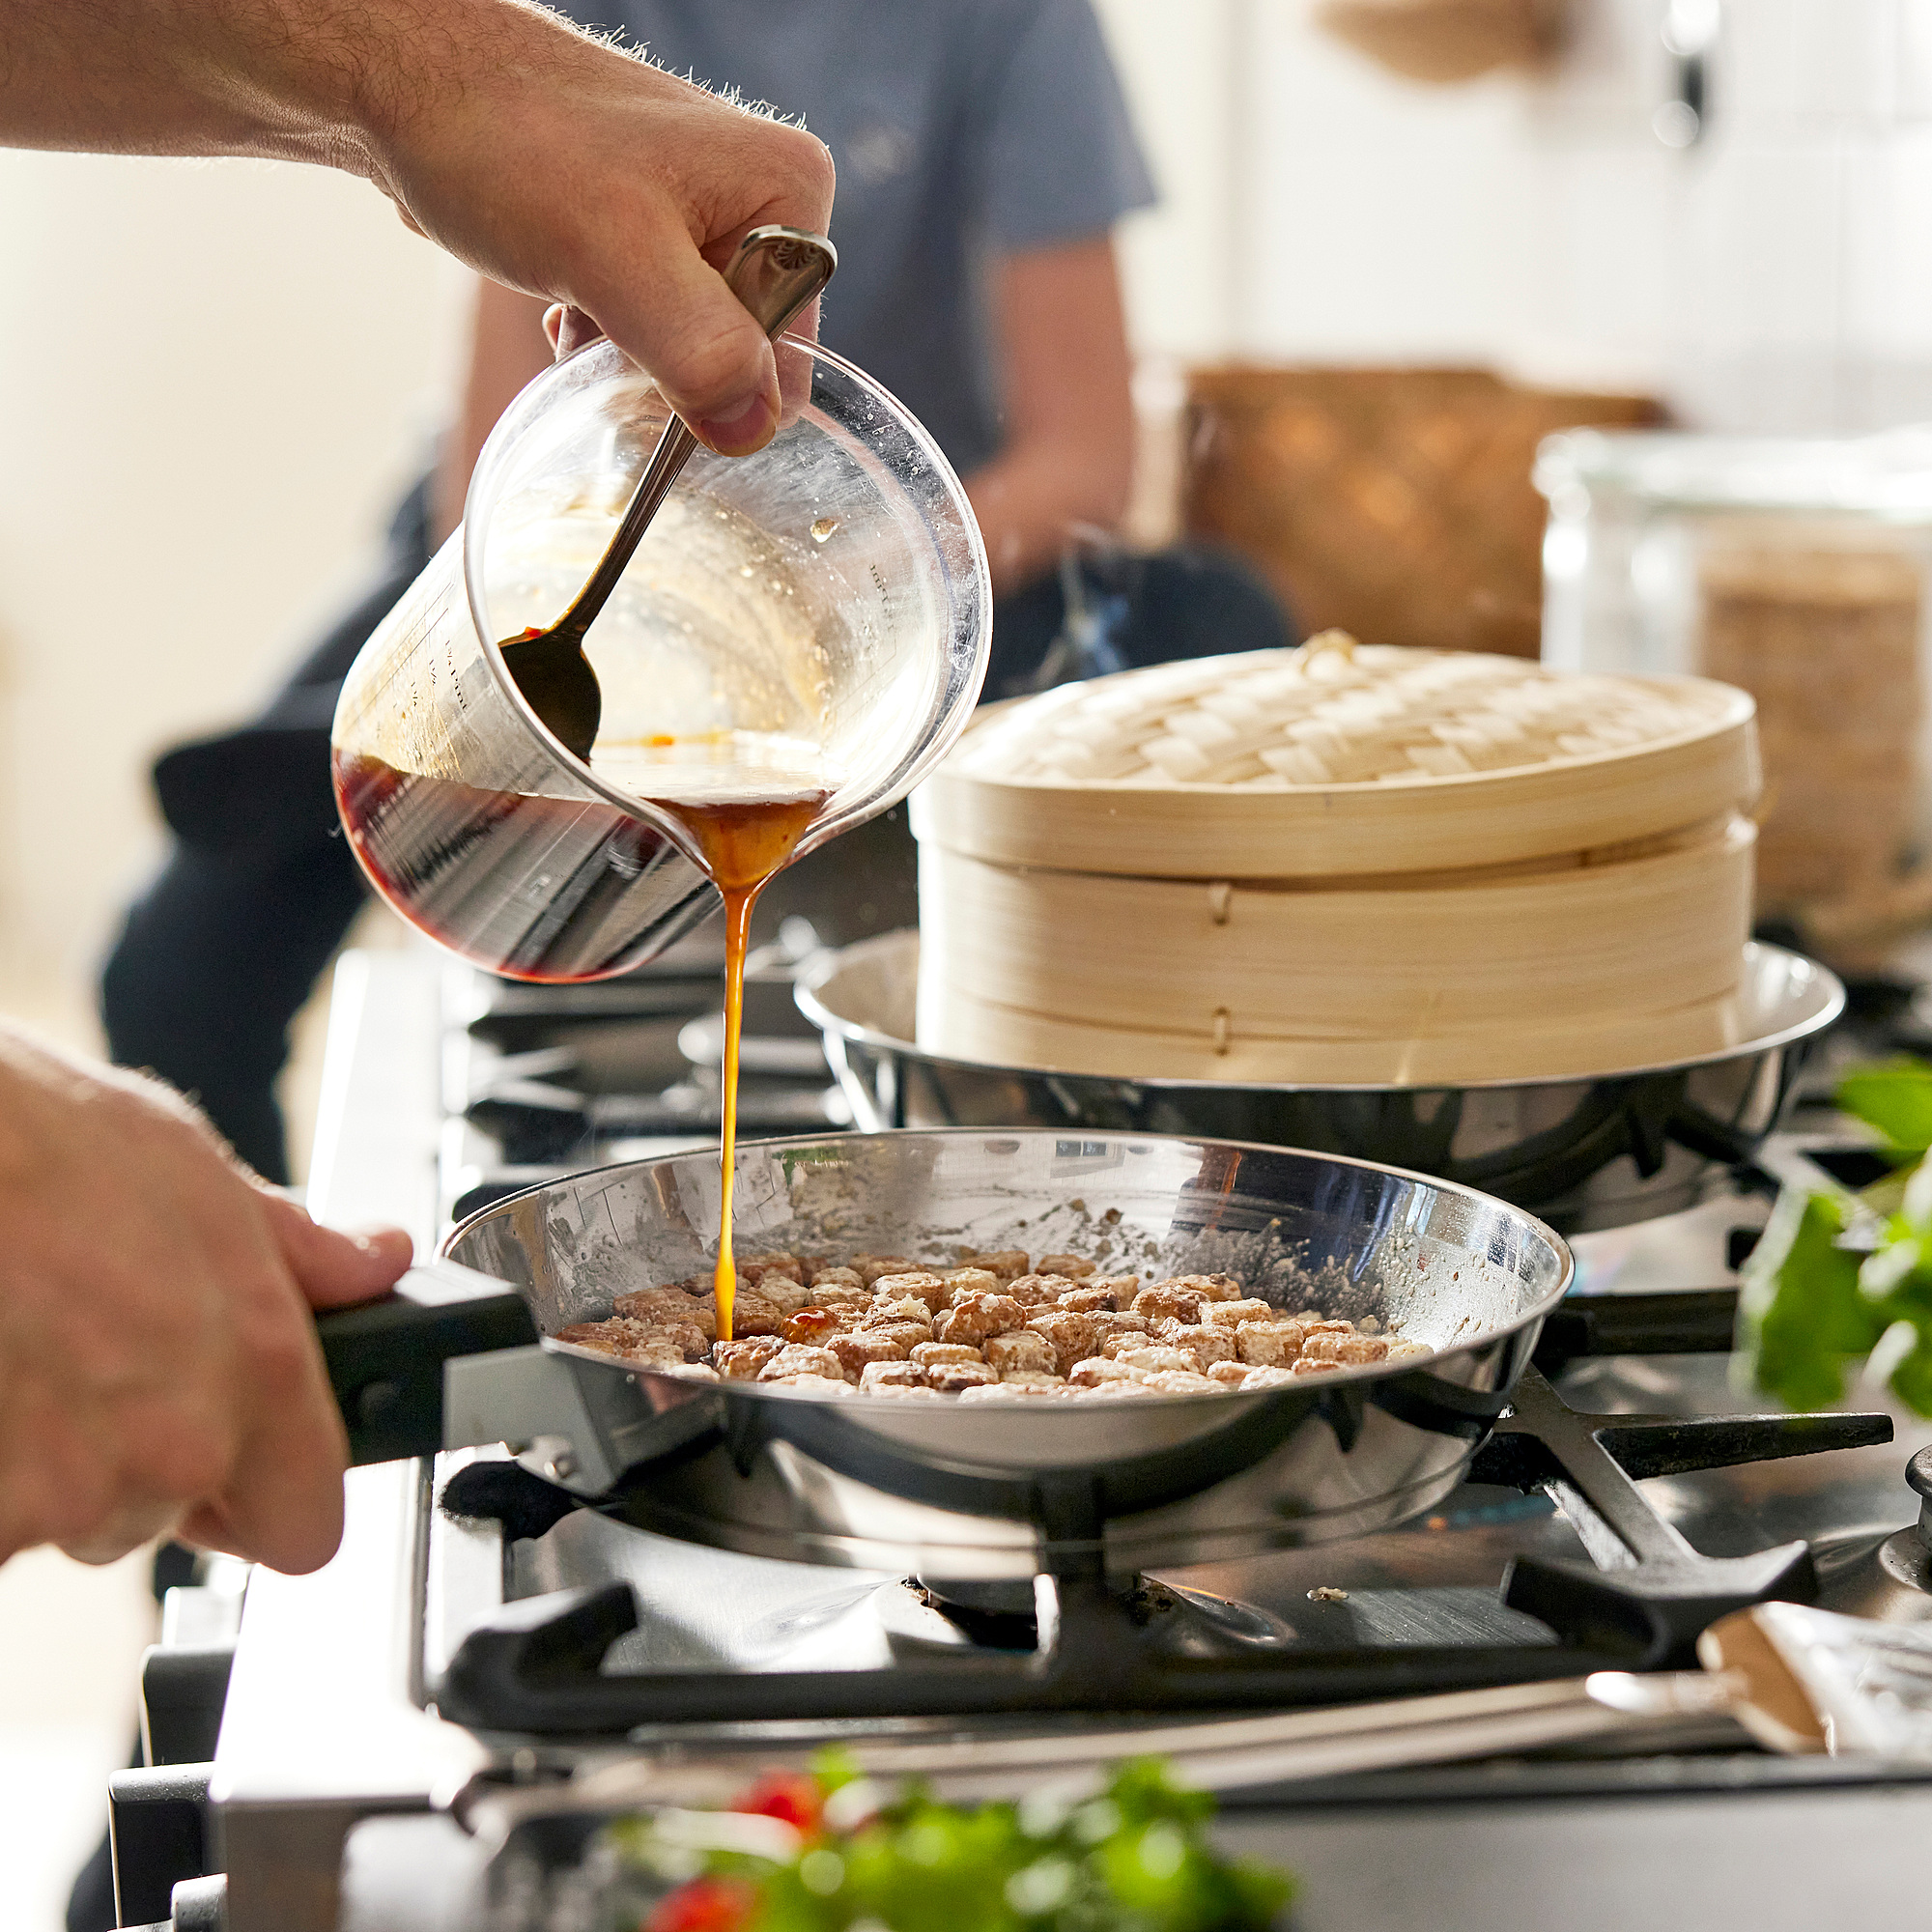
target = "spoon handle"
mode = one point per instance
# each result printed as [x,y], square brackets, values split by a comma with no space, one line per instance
[774,272]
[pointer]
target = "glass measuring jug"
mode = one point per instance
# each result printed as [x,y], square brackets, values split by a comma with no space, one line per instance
[806,624]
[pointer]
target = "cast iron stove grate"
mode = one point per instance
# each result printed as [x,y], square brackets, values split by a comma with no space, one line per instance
[539,1664]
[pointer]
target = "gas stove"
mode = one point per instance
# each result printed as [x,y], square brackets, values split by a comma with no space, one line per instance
[475,1636]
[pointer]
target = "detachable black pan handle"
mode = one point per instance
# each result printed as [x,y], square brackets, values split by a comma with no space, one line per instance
[1666,1322]
[385,1357]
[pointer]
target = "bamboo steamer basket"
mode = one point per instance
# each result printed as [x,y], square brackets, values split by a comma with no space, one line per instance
[1577,914]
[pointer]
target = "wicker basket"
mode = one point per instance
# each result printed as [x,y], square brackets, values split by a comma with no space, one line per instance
[1395,504]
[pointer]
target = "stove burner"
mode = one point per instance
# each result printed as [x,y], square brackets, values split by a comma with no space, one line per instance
[1085,1643]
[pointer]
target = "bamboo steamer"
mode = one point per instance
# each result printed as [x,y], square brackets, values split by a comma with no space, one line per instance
[1582,912]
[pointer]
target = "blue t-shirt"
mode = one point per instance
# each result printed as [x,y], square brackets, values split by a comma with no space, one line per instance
[963,129]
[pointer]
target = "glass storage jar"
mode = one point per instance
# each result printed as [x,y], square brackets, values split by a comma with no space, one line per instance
[1799,571]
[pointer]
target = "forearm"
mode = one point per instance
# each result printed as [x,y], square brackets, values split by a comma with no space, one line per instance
[321,80]
[1028,498]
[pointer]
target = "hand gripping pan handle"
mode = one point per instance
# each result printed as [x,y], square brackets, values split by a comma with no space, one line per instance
[386,1358]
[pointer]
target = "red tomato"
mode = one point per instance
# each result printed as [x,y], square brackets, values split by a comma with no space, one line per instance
[705,1905]
[789,1795]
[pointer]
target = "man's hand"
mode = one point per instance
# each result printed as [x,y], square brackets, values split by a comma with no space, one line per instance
[622,193]
[158,1367]
[553,164]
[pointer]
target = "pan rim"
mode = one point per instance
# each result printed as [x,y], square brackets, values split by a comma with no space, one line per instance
[806,996]
[690,1388]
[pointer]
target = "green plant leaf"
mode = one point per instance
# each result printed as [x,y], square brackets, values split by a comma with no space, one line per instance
[1895,1097]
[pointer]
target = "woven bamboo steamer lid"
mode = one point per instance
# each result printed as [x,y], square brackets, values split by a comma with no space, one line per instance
[995,799]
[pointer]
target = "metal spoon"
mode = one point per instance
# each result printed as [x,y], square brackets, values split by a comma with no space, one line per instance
[774,272]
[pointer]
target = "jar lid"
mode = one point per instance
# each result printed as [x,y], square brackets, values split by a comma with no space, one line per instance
[1889,476]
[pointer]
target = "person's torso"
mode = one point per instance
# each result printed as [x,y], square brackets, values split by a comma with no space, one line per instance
[900,92]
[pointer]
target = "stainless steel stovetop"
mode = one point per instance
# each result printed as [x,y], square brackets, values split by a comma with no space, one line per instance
[333,1773]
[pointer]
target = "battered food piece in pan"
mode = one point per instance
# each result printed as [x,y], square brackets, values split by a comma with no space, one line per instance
[1230,1314]
[861,1345]
[928,1289]
[1073,1335]
[1022,1351]
[739,1361]
[1172,1301]
[869,1268]
[1008,1264]
[796,1359]
[1071,1266]
[1268,1345]
[973,1316]
[1038,1290]
[931,1354]
[949,1377]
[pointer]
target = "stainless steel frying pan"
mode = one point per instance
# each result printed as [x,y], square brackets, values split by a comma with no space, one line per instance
[1000,1490]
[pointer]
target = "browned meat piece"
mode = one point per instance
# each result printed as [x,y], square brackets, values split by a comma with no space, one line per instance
[949,1377]
[869,1268]
[884,1313]
[1268,1345]
[839,1277]
[1026,1350]
[1230,1375]
[1230,1314]
[920,1284]
[1098,1369]
[811,1325]
[1170,1301]
[1008,1264]
[836,1296]
[890,1375]
[1157,1361]
[741,1361]
[1309,1365]
[1206,1346]
[970,1281]
[859,1346]
[1083,1300]
[1311,1326]
[909,1335]
[1070,1265]
[1267,1379]
[972,1317]
[1038,1290]
[794,1359]
[753,1314]
[935,1354]
[1073,1335]
[754,1267]
[1123,1322]
[1183,1381]
[1348,1349]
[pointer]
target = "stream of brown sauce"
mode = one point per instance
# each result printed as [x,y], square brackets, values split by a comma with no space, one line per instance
[741,847]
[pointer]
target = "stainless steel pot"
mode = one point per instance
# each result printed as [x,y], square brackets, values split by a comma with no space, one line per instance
[1581,1153]
[963,1489]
